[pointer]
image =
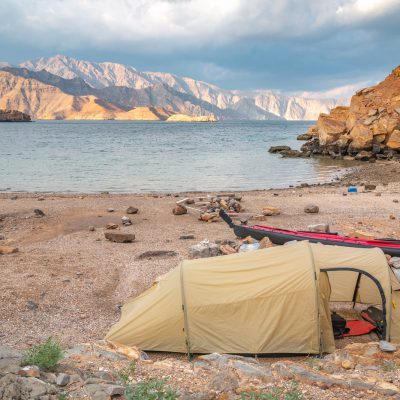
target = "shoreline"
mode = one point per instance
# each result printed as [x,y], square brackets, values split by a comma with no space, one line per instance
[342,176]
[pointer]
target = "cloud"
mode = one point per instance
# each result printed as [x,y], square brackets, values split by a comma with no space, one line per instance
[296,44]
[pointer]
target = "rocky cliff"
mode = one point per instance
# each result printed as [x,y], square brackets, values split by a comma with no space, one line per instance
[13,116]
[371,124]
[191,118]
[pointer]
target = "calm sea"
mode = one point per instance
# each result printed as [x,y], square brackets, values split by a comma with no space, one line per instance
[152,156]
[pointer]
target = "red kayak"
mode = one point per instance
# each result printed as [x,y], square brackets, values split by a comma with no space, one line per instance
[281,236]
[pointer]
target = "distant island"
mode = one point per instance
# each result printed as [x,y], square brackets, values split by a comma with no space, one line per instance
[14,116]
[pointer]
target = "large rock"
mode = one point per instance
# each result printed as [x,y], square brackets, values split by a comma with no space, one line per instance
[394,140]
[119,237]
[361,137]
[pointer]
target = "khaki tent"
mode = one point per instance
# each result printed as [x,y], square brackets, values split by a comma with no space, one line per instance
[267,301]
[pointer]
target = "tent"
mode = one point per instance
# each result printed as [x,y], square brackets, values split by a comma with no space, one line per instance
[267,301]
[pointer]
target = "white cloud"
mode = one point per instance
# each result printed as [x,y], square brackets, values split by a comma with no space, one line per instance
[182,23]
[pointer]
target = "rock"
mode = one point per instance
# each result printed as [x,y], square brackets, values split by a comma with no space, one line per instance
[395,201]
[15,197]
[291,153]
[192,118]
[38,213]
[270,210]
[311,209]
[186,237]
[40,199]
[110,210]
[332,127]
[119,237]
[31,305]
[91,228]
[372,112]
[391,216]
[224,381]
[63,379]
[394,140]
[157,253]
[111,225]
[369,186]
[226,249]
[318,228]
[363,155]
[304,136]
[370,120]
[348,364]
[362,235]
[348,158]
[8,250]
[189,201]
[132,210]
[259,217]
[278,149]
[115,390]
[203,250]
[265,243]
[30,370]
[179,210]
[394,262]
[209,217]
[126,221]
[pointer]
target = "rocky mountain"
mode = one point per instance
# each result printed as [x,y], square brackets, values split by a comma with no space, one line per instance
[368,129]
[180,94]
[47,101]
[13,116]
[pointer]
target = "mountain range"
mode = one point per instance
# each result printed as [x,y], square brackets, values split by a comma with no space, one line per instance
[62,87]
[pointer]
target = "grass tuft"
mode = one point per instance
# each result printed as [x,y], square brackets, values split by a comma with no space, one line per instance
[45,355]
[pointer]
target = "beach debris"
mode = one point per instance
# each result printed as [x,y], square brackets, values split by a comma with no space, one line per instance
[311,209]
[324,228]
[126,221]
[110,210]
[179,210]
[119,237]
[157,253]
[352,189]
[270,210]
[91,228]
[8,250]
[31,305]
[249,247]
[38,213]
[369,187]
[186,237]
[132,210]
[111,225]
[203,249]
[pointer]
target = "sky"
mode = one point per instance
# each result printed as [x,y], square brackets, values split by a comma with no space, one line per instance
[317,48]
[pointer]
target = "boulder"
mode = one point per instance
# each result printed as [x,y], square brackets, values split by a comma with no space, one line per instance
[304,136]
[363,155]
[361,137]
[132,210]
[278,149]
[203,250]
[270,210]
[179,210]
[394,140]
[330,128]
[119,237]
[311,209]
[8,250]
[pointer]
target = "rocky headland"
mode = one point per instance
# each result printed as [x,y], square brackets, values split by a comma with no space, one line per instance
[368,129]
[14,116]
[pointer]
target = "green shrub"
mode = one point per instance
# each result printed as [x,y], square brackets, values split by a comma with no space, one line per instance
[153,389]
[45,355]
[125,374]
[275,393]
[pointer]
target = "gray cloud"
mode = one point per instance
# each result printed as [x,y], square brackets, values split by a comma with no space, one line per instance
[293,45]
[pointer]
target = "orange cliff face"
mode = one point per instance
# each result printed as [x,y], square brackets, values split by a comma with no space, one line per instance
[43,101]
[371,123]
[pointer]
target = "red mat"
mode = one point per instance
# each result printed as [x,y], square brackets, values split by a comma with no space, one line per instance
[359,327]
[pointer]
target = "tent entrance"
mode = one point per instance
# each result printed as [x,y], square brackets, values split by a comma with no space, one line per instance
[376,282]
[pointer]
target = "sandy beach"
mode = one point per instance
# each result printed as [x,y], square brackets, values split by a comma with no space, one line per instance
[68,282]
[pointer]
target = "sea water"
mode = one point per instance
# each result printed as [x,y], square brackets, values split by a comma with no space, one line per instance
[120,156]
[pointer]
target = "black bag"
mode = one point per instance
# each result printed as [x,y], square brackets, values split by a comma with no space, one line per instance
[338,326]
